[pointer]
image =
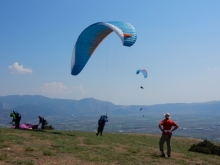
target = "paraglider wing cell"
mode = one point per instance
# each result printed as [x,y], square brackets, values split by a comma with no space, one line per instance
[93,35]
[138,71]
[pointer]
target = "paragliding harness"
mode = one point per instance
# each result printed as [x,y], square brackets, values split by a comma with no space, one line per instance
[103,119]
[16,118]
[44,121]
[17,115]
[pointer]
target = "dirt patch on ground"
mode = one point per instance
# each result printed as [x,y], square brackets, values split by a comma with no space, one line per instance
[120,149]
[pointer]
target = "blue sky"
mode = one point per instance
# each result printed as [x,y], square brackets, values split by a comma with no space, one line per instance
[177,43]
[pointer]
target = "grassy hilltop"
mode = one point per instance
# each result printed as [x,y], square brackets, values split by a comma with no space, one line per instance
[29,147]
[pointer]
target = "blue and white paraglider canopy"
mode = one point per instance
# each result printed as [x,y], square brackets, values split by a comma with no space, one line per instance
[143,71]
[93,35]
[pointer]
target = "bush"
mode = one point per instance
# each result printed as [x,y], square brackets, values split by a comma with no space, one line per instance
[206,147]
[48,127]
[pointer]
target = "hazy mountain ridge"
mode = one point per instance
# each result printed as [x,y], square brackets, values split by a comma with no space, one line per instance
[40,105]
[34,105]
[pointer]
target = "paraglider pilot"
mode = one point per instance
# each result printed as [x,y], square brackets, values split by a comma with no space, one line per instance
[101,123]
[16,118]
[42,121]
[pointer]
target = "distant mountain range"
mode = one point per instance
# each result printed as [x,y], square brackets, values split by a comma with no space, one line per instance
[32,106]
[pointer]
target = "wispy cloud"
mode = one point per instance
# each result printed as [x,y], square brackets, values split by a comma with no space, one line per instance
[213,69]
[16,68]
[58,89]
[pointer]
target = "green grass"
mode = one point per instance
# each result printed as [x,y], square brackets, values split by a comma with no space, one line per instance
[29,147]
[3,156]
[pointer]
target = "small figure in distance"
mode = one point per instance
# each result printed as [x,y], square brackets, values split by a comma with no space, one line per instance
[167,130]
[16,118]
[42,121]
[101,123]
[141,87]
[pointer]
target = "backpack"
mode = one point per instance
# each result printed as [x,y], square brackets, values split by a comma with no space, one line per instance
[17,114]
[103,119]
[45,121]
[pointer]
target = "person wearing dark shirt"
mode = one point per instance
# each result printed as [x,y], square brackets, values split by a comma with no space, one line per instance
[42,121]
[101,123]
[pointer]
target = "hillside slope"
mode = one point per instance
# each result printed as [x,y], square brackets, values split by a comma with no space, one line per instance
[30,147]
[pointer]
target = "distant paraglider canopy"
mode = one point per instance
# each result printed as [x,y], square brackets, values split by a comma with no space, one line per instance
[143,109]
[93,35]
[143,71]
[145,74]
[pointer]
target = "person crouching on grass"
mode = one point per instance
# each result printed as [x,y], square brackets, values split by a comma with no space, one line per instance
[166,127]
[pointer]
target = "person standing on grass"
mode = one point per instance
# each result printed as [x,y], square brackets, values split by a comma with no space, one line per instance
[16,118]
[166,127]
[42,121]
[101,123]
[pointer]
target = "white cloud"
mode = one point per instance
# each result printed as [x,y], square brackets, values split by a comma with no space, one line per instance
[213,69]
[16,68]
[58,89]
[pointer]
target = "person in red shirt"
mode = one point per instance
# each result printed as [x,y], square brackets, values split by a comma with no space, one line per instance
[167,126]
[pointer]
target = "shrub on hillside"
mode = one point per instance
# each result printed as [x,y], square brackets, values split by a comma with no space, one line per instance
[48,127]
[206,147]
